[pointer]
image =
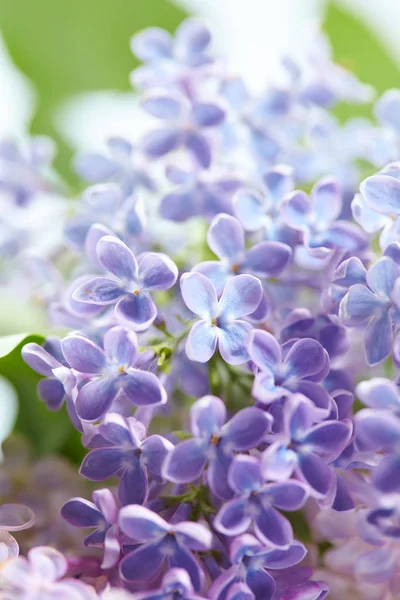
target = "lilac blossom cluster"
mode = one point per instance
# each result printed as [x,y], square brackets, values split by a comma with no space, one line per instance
[224,307]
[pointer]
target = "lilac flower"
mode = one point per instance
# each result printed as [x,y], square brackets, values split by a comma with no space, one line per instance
[171,61]
[305,364]
[129,455]
[226,239]
[306,448]
[311,590]
[256,504]
[220,320]
[134,280]
[102,516]
[257,210]
[48,360]
[249,560]
[186,122]
[204,193]
[161,543]
[176,584]
[215,442]
[374,306]
[316,216]
[107,373]
[41,576]
[122,164]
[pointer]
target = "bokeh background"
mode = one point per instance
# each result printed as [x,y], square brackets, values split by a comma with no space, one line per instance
[64,71]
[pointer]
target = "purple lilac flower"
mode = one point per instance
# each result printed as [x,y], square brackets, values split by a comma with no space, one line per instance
[226,239]
[205,193]
[41,576]
[306,448]
[249,559]
[316,216]
[134,280]
[161,542]
[102,516]
[122,164]
[311,590]
[220,320]
[107,373]
[298,368]
[256,503]
[176,584]
[215,442]
[186,122]
[129,455]
[374,306]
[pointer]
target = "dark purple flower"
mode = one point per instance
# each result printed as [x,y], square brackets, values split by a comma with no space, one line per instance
[249,560]
[256,504]
[109,372]
[220,320]
[127,454]
[215,442]
[129,291]
[161,543]
[100,515]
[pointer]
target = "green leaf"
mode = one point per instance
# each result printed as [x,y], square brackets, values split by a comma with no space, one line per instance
[71,47]
[8,343]
[357,48]
[47,431]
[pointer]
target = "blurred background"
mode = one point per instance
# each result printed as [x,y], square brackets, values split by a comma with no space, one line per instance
[64,72]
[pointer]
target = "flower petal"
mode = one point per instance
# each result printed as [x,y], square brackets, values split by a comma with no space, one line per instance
[186,462]
[250,208]
[207,114]
[15,517]
[378,338]
[120,345]
[138,310]
[264,350]
[157,271]
[143,564]
[95,398]
[241,296]
[133,484]
[288,495]
[82,354]
[81,513]
[102,463]
[143,388]
[100,290]
[316,473]
[247,428]
[201,341]
[117,258]
[268,259]
[232,518]
[193,535]
[273,528]
[305,358]
[233,342]
[244,474]
[225,237]
[199,295]
[159,142]
[142,524]
[382,193]
[207,416]
[183,559]
[199,146]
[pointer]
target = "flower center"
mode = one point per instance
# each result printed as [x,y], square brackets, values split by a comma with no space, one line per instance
[214,321]
[214,439]
[136,292]
[235,268]
[121,369]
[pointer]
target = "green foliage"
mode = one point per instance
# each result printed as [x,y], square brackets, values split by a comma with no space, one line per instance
[359,50]
[73,46]
[47,431]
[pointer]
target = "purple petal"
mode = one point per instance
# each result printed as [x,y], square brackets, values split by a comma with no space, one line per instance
[328,438]
[217,475]
[102,463]
[133,484]
[138,310]
[225,237]
[376,430]
[112,548]
[382,193]
[282,559]
[327,200]
[245,475]
[278,462]
[232,518]
[186,462]
[157,271]
[164,105]
[15,517]
[152,44]
[199,146]
[143,564]
[378,339]
[116,430]
[376,566]
[82,513]
[178,206]
[143,388]
[305,358]
[207,416]
[99,290]
[316,473]
[382,275]
[273,528]
[95,167]
[95,398]
[288,495]
[199,295]
[48,564]
[94,235]
[250,207]
[193,535]
[159,142]
[39,359]
[154,452]
[52,392]
[120,346]
[247,428]
[359,304]
[82,354]
[192,37]
[105,502]
[296,210]
[206,114]
[183,559]
[201,341]
[241,591]
[264,350]
[117,258]
[217,272]
[142,524]
[268,259]
[386,477]
[233,342]
[241,296]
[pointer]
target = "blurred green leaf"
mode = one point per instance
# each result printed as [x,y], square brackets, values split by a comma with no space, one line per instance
[47,431]
[357,48]
[70,47]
